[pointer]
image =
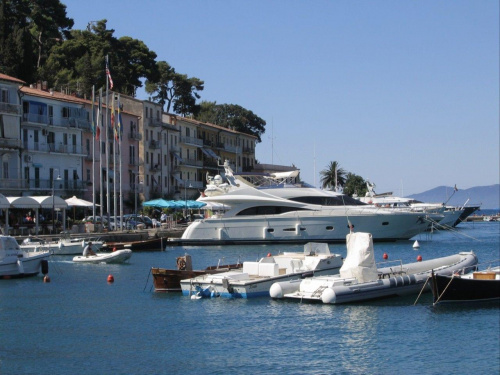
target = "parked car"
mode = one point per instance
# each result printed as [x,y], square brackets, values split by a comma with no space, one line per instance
[112,225]
[98,220]
[133,220]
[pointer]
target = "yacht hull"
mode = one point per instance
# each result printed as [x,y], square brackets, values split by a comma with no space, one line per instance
[302,229]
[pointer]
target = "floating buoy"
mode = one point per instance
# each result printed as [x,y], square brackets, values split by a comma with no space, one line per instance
[268,255]
[114,248]
[46,279]
[419,258]
[111,279]
[416,245]
[385,256]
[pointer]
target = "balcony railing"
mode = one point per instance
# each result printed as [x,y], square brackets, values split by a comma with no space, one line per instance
[10,143]
[192,162]
[155,145]
[52,147]
[41,184]
[135,135]
[11,109]
[192,141]
[154,122]
[67,122]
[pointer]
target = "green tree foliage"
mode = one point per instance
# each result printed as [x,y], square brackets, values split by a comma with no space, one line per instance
[28,29]
[174,90]
[232,116]
[330,174]
[355,184]
[79,62]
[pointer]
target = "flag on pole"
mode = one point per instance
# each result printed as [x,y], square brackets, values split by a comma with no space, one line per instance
[99,108]
[118,121]
[108,74]
[93,112]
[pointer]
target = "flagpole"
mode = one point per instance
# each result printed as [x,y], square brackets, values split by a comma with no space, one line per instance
[99,123]
[120,128]
[107,138]
[113,124]
[93,153]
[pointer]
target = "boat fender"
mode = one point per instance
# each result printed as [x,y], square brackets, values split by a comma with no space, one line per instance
[45,266]
[328,296]
[181,263]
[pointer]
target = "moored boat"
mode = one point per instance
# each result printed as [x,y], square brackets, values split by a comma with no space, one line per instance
[481,285]
[63,246]
[361,280]
[169,280]
[15,262]
[151,244]
[118,256]
[255,278]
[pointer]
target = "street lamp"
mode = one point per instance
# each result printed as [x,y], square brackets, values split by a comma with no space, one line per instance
[136,193]
[58,178]
[185,196]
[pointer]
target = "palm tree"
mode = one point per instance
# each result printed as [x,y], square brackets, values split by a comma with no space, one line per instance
[331,174]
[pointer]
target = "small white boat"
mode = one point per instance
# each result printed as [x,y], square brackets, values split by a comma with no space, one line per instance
[14,262]
[118,256]
[255,278]
[360,280]
[64,246]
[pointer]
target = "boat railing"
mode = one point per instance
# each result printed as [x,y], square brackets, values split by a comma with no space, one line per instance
[484,266]
[395,270]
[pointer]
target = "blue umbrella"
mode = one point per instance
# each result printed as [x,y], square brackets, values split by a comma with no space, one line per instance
[161,203]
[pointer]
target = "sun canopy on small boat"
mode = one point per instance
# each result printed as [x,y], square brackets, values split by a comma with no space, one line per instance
[77,202]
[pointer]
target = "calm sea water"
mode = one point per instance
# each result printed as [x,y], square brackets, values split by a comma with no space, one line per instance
[80,324]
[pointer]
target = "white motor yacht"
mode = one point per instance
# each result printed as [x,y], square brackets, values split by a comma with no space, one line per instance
[279,208]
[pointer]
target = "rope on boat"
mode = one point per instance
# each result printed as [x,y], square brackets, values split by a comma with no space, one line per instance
[444,290]
[147,281]
[422,290]
[438,226]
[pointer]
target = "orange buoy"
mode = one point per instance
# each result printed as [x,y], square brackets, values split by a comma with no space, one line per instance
[386,256]
[46,279]
[419,258]
[111,279]
[268,254]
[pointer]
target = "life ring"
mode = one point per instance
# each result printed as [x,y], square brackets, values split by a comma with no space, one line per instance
[181,263]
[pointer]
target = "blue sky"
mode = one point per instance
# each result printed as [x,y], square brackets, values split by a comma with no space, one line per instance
[403,93]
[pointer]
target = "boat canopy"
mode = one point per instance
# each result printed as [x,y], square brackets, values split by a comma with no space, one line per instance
[360,260]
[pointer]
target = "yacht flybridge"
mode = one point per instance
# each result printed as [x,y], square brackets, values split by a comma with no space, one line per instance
[279,207]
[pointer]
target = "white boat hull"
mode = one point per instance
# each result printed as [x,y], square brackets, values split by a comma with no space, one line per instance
[118,256]
[62,247]
[15,262]
[336,290]
[321,226]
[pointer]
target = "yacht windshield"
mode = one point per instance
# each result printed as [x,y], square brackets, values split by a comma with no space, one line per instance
[341,200]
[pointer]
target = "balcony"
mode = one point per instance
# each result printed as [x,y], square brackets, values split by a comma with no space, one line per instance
[52,147]
[155,145]
[154,122]
[10,143]
[135,135]
[192,162]
[192,141]
[10,109]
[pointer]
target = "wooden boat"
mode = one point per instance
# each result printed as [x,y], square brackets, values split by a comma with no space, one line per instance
[169,280]
[475,286]
[151,244]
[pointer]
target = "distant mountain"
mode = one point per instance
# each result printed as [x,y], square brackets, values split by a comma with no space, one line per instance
[487,196]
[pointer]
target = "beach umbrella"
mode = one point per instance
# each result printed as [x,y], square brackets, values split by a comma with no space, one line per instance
[77,202]
[160,203]
[194,204]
